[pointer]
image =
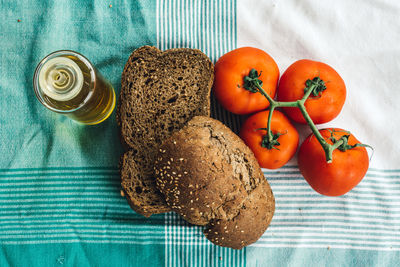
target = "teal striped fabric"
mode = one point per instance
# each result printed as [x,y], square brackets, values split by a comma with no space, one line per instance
[69,205]
[60,202]
[206,25]
[209,26]
[366,218]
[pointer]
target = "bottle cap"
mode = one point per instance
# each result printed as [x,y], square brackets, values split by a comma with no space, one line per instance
[60,78]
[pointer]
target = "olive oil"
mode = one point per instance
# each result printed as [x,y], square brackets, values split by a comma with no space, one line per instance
[67,83]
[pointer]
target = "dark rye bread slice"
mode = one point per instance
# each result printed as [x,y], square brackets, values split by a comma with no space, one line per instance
[139,186]
[210,177]
[160,92]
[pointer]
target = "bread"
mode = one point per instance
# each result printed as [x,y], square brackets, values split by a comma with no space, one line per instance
[210,177]
[160,92]
[251,222]
[139,186]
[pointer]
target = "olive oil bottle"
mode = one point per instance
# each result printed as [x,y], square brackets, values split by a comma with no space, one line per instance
[67,83]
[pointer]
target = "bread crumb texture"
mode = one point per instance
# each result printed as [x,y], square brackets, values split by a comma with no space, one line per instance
[160,92]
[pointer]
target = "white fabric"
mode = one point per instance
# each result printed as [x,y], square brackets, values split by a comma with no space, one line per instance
[359,39]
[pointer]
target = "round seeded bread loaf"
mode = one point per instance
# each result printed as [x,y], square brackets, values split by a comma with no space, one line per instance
[210,177]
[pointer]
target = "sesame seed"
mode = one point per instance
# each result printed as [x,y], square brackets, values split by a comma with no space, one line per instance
[191,201]
[242,231]
[185,172]
[216,233]
[174,142]
[181,159]
[225,227]
[173,172]
[222,238]
[191,208]
[171,159]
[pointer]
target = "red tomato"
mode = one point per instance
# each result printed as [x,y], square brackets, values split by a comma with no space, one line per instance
[230,71]
[326,105]
[289,140]
[345,171]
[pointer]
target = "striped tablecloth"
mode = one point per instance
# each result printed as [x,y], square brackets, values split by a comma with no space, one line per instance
[60,201]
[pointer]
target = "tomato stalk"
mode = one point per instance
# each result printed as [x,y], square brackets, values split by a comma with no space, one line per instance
[314,86]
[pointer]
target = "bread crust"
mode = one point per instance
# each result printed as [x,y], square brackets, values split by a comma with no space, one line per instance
[210,177]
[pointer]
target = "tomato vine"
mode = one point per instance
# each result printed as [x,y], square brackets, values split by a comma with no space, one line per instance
[314,86]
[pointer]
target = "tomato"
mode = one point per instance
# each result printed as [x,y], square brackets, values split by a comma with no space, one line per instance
[230,71]
[322,107]
[345,171]
[289,138]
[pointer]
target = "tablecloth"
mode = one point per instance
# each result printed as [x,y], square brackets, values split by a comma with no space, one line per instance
[60,202]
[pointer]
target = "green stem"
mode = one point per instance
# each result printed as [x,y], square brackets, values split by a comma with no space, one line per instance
[261,90]
[328,154]
[269,132]
[308,93]
[328,148]
[314,129]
